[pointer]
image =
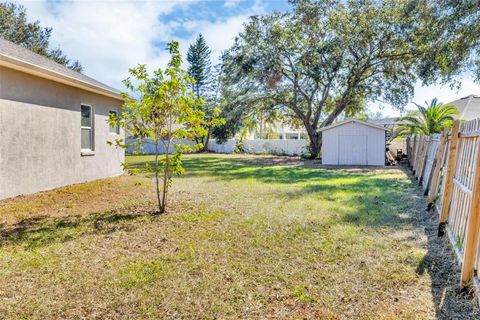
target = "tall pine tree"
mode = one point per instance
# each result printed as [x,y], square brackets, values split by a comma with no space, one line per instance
[198,57]
[206,86]
[14,27]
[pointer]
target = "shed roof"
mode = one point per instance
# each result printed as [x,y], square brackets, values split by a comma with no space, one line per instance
[19,58]
[469,107]
[352,121]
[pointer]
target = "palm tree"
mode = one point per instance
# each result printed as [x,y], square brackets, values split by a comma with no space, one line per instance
[428,120]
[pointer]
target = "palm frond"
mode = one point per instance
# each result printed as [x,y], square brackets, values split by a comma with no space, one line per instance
[429,119]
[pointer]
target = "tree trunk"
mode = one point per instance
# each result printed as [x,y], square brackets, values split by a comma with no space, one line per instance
[315,141]
[206,140]
[157,184]
[165,181]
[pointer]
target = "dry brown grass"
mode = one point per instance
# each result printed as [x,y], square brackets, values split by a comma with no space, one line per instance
[79,199]
[245,237]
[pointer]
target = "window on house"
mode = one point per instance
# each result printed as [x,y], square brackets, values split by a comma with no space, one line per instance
[116,128]
[87,128]
[292,136]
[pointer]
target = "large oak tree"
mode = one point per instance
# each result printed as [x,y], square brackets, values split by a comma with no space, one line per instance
[329,57]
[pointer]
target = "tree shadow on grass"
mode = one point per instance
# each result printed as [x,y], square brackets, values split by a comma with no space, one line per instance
[43,230]
[373,200]
[364,197]
[266,170]
[444,271]
[386,203]
[442,267]
[377,202]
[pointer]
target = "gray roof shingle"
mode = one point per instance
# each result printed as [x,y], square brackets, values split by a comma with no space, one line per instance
[18,53]
[469,107]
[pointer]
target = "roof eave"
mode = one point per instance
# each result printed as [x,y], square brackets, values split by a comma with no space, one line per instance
[19,65]
[352,120]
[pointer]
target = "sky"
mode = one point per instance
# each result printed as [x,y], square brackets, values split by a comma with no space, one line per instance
[109,37]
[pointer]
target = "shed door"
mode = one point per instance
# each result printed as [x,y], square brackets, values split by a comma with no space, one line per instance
[352,150]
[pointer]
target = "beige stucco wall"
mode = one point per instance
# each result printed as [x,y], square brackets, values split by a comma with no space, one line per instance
[40,135]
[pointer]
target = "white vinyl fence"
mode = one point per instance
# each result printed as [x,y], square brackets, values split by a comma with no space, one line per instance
[258,146]
[149,148]
[289,147]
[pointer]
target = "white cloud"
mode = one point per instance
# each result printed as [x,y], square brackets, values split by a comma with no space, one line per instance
[109,37]
[231,3]
[219,35]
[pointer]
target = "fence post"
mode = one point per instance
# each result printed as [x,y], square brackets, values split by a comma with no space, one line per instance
[428,142]
[447,196]
[437,168]
[410,151]
[414,153]
[417,156]
[473,225]
[421,157]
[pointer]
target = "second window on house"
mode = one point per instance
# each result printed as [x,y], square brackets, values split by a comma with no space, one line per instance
[116,128]
[87,128]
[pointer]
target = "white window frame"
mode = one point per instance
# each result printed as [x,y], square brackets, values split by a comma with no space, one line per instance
[91,128]
[117,127]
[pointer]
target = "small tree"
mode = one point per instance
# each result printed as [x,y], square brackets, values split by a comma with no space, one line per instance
[166,114]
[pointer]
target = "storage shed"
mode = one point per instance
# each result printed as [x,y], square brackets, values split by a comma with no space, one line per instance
[353,142]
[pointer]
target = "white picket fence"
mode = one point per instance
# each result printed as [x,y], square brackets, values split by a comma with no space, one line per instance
[290,147]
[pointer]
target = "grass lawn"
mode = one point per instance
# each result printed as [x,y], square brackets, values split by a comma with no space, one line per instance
[247,237]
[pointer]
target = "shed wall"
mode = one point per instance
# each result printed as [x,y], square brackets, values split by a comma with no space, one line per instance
[375,151]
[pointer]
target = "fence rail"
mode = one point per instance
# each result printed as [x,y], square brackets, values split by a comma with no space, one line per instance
[263,146]
[258,146]
[447,167]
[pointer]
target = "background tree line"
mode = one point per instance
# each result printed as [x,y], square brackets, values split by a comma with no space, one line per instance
[325,59]
[319,61]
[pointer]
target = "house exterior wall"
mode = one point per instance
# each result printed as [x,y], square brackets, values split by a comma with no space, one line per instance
[375,144]
[40,135]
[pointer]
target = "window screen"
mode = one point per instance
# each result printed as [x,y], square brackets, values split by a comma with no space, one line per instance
[86,128]
[116,128]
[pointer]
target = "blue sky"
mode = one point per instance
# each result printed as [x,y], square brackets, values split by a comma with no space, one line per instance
[185,20]
[108,37]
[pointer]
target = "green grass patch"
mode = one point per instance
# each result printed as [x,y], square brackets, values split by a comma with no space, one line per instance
[245,237]
[140,273]
[203,215]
